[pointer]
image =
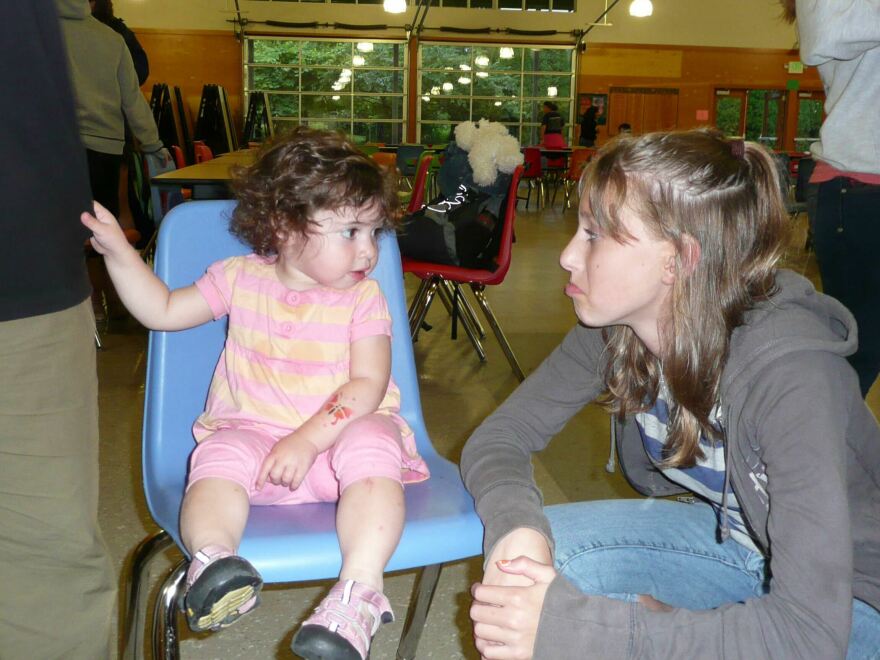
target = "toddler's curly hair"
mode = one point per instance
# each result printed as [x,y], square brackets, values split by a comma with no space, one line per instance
[298,174]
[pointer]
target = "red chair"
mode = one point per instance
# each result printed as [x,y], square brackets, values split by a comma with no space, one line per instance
[420,185]
[533,174]
[179,159]
[202,152]
[447,280]
[576,164]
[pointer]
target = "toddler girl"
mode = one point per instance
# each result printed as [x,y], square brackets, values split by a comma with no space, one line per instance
[301,407]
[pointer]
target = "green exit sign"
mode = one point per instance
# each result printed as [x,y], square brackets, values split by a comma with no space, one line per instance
[795,67]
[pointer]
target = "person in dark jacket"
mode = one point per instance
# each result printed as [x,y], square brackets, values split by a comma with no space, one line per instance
[588,127]
[55,575]
[730,382]
[103,11]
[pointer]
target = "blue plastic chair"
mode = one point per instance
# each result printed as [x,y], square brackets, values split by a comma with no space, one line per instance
[286,544]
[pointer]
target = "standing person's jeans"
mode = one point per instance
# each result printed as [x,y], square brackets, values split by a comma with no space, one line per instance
[625,548]
[846,236]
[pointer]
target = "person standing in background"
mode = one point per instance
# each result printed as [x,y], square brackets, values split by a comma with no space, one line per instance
[103,11]
[55,575]
[843,41]
[588,127]
[552,122]
[107,97]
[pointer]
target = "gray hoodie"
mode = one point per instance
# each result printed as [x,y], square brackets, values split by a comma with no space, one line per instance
[803,459]
[105,83]
[842,39]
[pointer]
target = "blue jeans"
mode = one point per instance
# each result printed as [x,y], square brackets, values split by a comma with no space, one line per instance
[624,548]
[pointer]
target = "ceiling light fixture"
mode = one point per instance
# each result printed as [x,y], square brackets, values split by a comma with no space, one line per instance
[365,46]
[394,6]
[505,53]
[641,8]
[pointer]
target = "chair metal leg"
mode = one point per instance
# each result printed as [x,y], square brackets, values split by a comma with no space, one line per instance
[166,642]
[98,343]
[480,295]
[466,322]
[135,581]
[466,308]
[415,323]
[423,593]
[415,305]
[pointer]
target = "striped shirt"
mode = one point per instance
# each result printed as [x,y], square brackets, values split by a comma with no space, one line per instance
[706,478]
[287,351]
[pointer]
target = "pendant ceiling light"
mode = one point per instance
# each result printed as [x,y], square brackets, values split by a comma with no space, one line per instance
[641,8]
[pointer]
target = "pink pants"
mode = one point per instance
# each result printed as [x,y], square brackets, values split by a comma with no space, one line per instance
[370,446]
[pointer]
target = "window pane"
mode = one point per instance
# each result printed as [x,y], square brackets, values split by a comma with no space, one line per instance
[495,61]
[762,116]
[481,4]
[510,4]
[326,53]
[268,78]
[378,107]
[537,4]
[563,5]
[335,106]
[435,80]
[809,122]
[272,51]
[503,111]
[453,3]
[386,55]
[547,59]
[727,114]
[283,125]
[378,81]
[439,108]
[436,134]
[440,57]
[328,125]
[322,80]
[541,85]
[284,105]
[376,132]
[498,85]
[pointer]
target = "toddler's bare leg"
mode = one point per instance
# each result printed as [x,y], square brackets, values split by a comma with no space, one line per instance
[214,512]
[369,521]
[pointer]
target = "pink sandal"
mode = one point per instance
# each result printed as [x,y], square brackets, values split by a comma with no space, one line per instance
[343,625]
[220,588]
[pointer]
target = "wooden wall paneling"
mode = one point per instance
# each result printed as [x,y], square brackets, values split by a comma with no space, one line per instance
[191,59]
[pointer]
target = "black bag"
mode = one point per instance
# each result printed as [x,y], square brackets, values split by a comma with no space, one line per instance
[459,231]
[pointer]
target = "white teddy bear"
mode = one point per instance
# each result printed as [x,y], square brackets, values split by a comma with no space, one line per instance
[491,148]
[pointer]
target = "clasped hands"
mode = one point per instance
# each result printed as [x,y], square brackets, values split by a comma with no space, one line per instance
[508,602]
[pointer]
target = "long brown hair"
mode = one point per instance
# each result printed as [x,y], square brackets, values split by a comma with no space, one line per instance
[725,195]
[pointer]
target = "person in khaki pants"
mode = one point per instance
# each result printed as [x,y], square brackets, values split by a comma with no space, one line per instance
[55,575]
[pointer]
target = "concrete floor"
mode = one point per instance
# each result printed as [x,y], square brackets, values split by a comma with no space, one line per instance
[457,393]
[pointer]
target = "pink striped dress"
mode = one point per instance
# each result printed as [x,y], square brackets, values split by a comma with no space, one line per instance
[287,351]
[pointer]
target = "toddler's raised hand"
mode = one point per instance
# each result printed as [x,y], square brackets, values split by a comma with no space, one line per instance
[107,236]
[288,462]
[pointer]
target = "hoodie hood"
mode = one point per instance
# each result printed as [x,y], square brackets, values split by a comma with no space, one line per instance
[73,9]
[796,318]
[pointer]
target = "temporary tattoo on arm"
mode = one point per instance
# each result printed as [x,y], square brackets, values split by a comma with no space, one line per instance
[336,410]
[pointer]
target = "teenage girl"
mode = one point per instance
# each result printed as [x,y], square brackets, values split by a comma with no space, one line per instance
[301,407]
[730,381]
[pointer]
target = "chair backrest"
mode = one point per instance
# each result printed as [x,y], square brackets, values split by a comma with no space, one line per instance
[532,162]
[408,158]
[577,162]
[153,165]
[202,152]
[177,154]
[180,364]
[421,183]
[505,249]
[386,159]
